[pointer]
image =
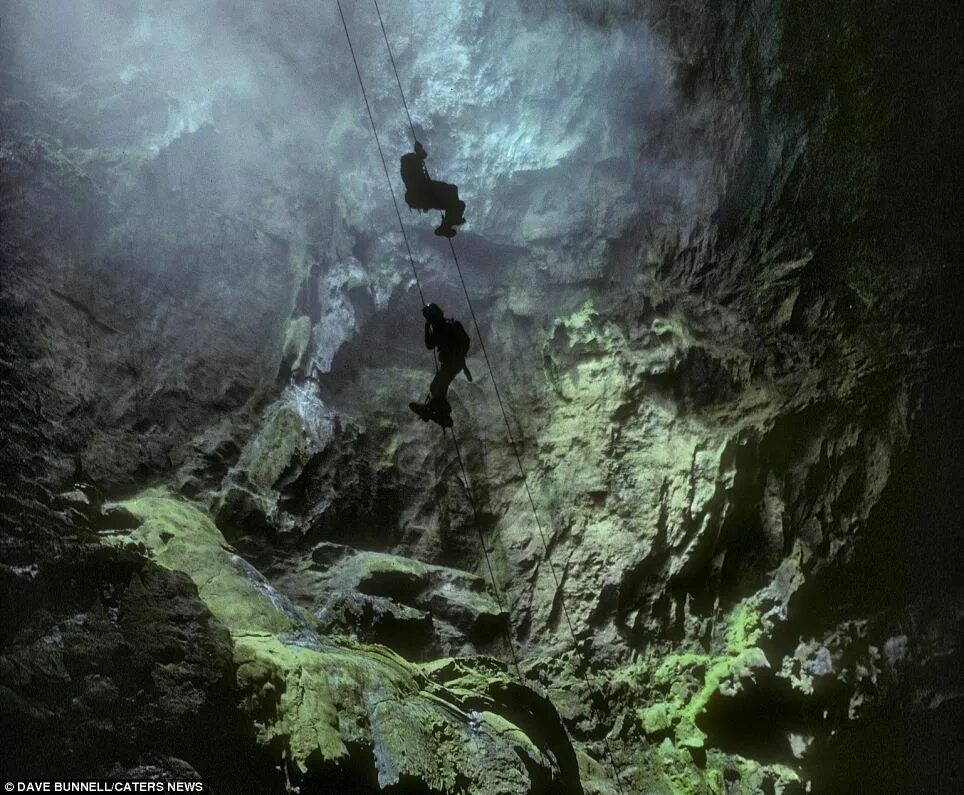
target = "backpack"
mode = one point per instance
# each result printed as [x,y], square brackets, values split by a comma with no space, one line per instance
[462,341]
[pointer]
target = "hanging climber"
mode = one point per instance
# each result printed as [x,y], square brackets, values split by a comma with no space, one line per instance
[424,193]
[450,338]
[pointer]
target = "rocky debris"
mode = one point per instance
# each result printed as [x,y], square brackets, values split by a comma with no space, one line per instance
[318,701]
[291,430]
[156,768]
[204,462]
[713,279]
[421,611]
[479,686]
[116,658]
[91,512]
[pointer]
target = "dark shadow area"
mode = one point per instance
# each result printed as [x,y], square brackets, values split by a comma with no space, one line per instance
[124,664]
[754,723]
[904,575]
[894,749]
[355,774]
[913,546]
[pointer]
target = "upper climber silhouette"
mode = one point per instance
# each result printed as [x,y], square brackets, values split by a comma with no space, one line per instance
[452,341]
[424,193]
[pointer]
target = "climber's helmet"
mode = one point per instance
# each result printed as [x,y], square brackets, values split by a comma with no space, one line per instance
[432,312]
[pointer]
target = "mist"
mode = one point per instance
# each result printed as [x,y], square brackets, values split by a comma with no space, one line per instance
[712,339]
[209,158]
[502,96]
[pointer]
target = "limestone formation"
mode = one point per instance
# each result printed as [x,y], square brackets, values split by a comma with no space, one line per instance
[712,250]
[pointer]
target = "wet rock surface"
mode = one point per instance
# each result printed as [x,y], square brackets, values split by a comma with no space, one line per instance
[324,703]
[713,252]
[420,610]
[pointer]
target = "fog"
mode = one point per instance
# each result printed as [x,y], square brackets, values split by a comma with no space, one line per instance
[496,91]
[178,157]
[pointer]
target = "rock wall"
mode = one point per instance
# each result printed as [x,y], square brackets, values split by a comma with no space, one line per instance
[712,252]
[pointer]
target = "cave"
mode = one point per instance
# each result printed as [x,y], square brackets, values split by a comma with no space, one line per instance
[688,520]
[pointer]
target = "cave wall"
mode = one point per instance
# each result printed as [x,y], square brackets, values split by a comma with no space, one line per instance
[712,249]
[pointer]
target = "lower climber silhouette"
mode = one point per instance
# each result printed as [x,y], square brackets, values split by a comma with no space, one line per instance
[452,342]
[424,193]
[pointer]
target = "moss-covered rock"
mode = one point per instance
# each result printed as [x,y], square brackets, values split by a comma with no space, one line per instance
[670,694]
[314,699]
[290,431]
[688,680]
[418,609]
[278,445]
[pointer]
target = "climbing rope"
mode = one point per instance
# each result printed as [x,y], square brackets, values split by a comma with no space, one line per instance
[381,154]
[488,363]
[395,70]
[503,604]
[512,443]
[535,513]
[495,589]
[508,426]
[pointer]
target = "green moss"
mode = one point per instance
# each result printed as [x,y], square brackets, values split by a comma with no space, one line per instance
[581,318]
[673,327]
[375,563]
[689,680]
[743,628]
[656,717]
[290,684]
[279,442]
[506,729]
[583,330]
[181,538]
[667,693]
[390,446]
[596,777]
[465,678]
[578,360]
[675,770]
[315,696]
